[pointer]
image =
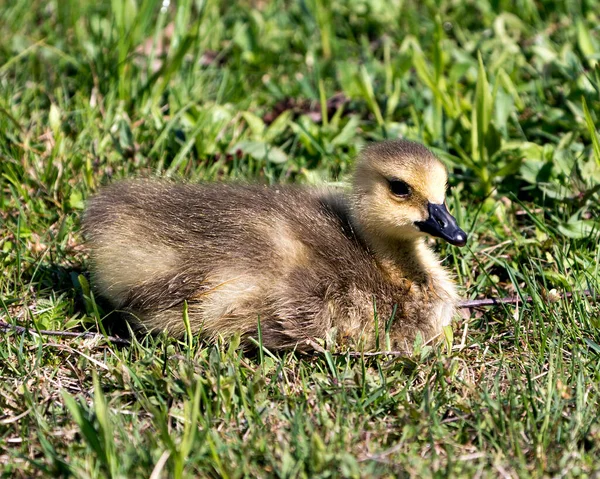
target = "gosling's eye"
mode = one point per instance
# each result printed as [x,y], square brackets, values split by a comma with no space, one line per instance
[399,188]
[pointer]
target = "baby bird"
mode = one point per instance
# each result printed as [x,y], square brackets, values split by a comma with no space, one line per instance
[310,264]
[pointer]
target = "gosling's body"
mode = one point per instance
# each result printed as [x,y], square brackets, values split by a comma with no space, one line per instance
[311,264]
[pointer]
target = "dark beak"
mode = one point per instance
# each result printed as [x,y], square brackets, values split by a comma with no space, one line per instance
[443,225]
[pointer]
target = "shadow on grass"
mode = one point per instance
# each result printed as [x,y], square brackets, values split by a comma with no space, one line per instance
[68,286]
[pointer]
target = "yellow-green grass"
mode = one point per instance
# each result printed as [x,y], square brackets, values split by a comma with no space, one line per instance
[507,93]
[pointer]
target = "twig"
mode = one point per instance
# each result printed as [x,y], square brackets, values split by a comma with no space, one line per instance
[477,303]
[473,303]
[371,354]
[63,334]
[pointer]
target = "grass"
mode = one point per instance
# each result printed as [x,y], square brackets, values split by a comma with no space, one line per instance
[508,94]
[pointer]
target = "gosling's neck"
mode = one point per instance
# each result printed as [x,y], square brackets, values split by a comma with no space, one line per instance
[402,259]
[410,262]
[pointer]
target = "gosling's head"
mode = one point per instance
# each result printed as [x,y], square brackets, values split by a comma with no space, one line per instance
[399,193]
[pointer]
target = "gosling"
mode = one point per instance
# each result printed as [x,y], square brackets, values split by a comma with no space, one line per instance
[308,264]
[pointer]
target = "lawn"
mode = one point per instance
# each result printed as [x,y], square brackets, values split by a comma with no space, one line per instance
[507,93]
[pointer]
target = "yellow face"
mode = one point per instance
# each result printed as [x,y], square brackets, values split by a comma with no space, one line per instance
[400,193]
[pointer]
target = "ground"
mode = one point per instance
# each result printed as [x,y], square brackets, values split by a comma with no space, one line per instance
[506,93]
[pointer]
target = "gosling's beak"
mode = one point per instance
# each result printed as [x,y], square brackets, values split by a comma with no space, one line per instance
[442,224]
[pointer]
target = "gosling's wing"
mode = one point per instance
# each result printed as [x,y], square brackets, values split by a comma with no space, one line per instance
[133,232]
[157,243]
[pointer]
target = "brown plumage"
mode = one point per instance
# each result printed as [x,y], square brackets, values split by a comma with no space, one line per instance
[310,263]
